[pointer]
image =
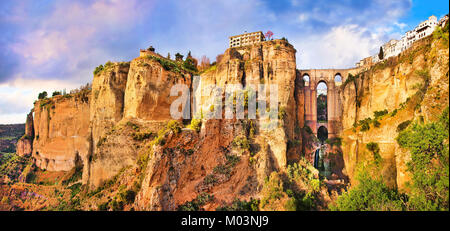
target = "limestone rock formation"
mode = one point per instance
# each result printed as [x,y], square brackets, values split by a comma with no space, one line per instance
[61,126]
[413,86]
[24,144]
[147,94]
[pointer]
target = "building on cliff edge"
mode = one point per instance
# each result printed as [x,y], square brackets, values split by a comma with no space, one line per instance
[393,47]
[246,39]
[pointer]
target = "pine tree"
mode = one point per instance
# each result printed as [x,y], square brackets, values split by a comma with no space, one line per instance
[381,54]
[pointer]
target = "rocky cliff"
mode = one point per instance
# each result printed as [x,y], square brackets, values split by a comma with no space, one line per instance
[119,140]
[228,158]
[25,143]
[123,120]
[380,102]
[61,127]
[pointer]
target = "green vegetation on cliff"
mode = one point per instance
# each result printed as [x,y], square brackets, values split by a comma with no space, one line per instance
[429,165]
[371,194]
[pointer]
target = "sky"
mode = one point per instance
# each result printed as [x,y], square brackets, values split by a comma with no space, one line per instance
[56,44]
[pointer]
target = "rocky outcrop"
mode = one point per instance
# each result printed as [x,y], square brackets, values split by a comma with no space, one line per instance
[25,143]
[173,176]
[61,126]
[107,103]
[147,94]
[270,63]
[412,86]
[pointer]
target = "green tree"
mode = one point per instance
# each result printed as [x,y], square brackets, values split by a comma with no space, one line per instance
[42,95]
[429,163]
[370,194]
[381,54]
[179,57]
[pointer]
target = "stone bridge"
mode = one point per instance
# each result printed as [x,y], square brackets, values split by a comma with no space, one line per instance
[333,78]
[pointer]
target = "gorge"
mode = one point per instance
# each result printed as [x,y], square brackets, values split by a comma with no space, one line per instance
[113,145]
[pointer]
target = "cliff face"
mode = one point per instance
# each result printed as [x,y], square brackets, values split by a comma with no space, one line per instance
[214,161]
[24,144]
[111,127]
[61,127]
[147,94]
[120,131]
[271,62]
[413,86]
[106,110]
[106,107]
[133,99]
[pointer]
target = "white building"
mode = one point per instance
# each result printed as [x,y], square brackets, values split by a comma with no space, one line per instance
[394,47]
[246,39]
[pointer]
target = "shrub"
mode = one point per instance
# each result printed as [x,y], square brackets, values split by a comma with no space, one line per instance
[210,179]
[291,204]
[196,124]
[365,124]
[376,123]
[403,125]
[98,69]
[116,205]
[132,125]
[197,203]
[375,149]
[394,112]
[239,205]
[429,164]
[241,142]
[42,95]
[190,65]
[378,114]
[232,160]
[143,160]
[128,196]
[369,195]
[441,34]
[55,93]
[273,190]
[139,136]
[282,113]
[174,126]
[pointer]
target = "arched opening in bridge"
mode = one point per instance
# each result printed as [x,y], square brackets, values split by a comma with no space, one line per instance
[306,79]
[322,114]
[322,134]
[338,79]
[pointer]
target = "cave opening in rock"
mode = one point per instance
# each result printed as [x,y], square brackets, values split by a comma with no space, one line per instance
[322,134]
[322,114]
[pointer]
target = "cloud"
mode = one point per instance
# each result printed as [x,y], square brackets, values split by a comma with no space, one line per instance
[75,37]
[339,48]
[17,97]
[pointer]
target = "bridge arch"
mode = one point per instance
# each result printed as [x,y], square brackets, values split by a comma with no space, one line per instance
[322,134]
[306,79]
[338,79]
[322,102]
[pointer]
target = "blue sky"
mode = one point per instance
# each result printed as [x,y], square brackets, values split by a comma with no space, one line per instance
[51,45]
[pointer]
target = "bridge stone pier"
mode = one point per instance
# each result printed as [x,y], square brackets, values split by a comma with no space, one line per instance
[333,78]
